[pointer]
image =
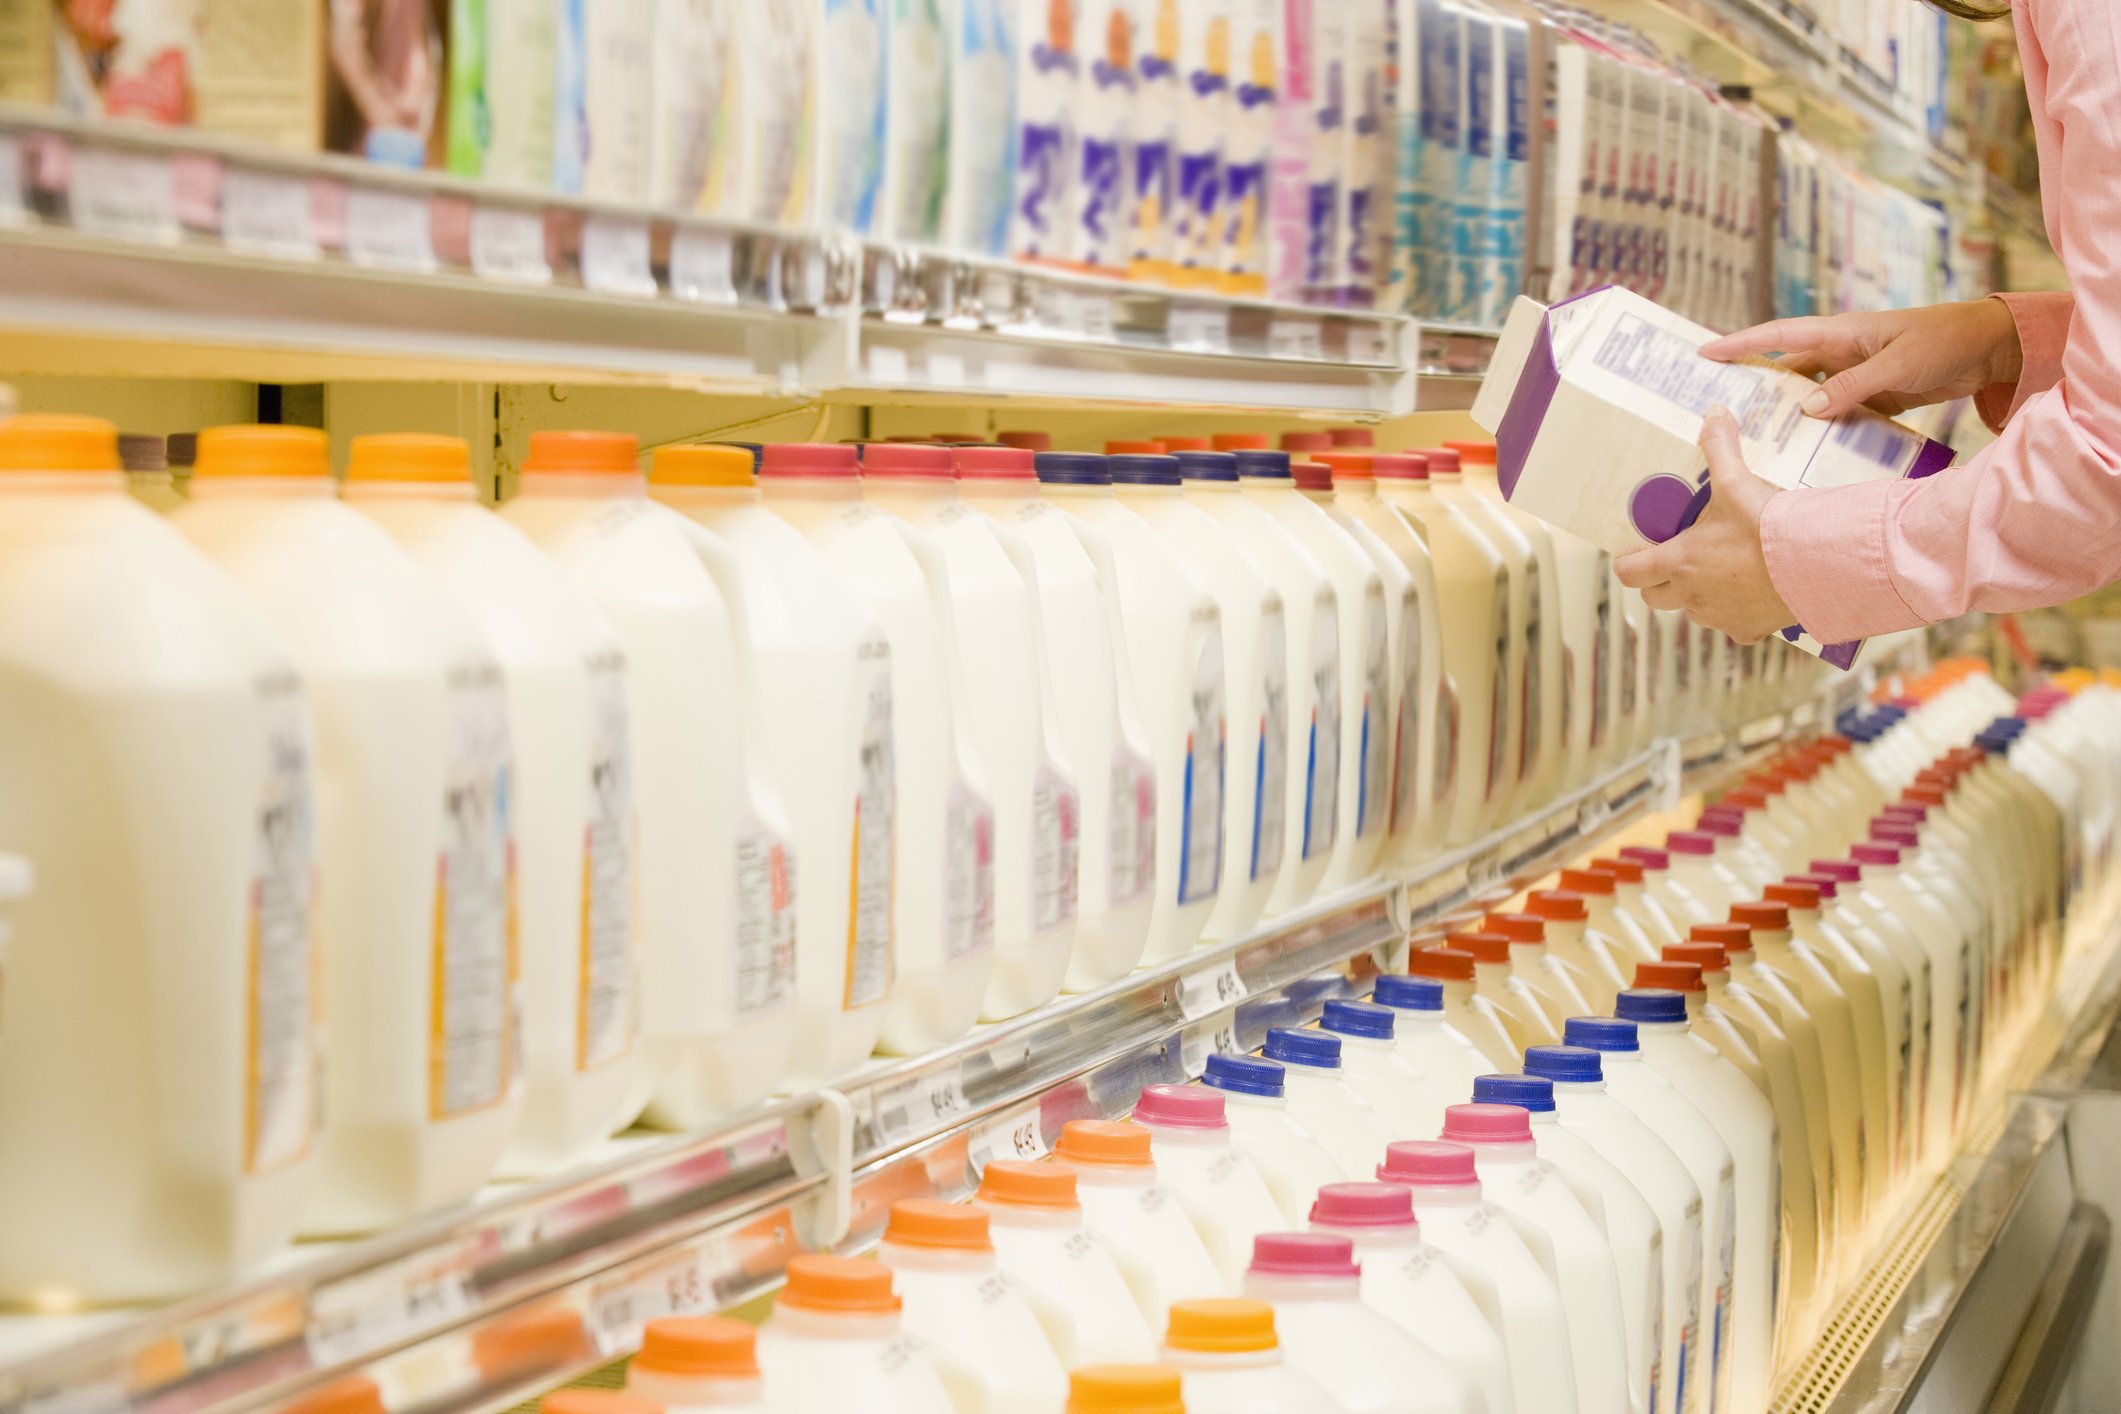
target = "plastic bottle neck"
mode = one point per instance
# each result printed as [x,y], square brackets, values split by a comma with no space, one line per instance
[448,493]
[953,1261]
[849,1326]
[274,488]
[1445,1195]
[704,495]
[600,486]
[834,489]
[1287,1288]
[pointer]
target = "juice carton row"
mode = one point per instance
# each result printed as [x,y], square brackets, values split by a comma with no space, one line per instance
[1845,243]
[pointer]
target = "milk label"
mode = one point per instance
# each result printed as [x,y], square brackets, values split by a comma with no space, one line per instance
[1373,779]
[1045,141]
[1056,850]
[1131,847]
[1200,843]
[1406,731]
[765,919]
[471,1040]
[1321,822]
[1270,781]
[869,952]
[1103,194]
[968,873]
[605,1019]
[280,1099]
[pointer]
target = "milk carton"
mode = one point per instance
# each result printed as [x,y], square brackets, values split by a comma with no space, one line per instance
[917,122]
[1204,122]
[1597,406]
[1158,103]
[1101,192]
[1047,67]
[1255,78]
[982,126]
[850,166]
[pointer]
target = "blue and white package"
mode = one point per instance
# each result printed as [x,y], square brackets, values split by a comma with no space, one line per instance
[1443,136]
[1503,256]
[570,98]
[1102,196]
[855,101]
[977,203]
[1040,223]
[1205,113]
[1255,90]
[1475,184]
[1331,33]
[1158,102]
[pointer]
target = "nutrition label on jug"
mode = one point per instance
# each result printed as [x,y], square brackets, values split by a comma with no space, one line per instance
[968,873]
[869,961]
[1056,843]
[1270,779]
[471,1048]
[604,1025]
[280,1108]
[1200,846]
[765,919]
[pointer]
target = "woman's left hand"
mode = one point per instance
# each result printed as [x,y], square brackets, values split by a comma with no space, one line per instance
[1715,570]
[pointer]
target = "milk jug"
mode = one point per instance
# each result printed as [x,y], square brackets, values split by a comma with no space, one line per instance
[1228,1357]
[1013,723]
[1173,634]
[1364,1362]
[1255,646]
[1217,1184]
[1255,1100]
[1098,715]
[1479,644]
[1311,809]
[942,899]
[1952,969]
[1431,1046]
[1363,823]
[117,640]
[1698,888]
[1600,962]
[823,688]
[837,1340]
[1552,981]
[1412,1285]
[1324,1102]
[1125,1389]
[565,677]
[1408,1101]
[1499,982]
[698,1362]
[978,1325]
[717,871]
[416,846]
[1638,871]
[1482,1020]
[1040,1240]
[1139,1217]
[1883,935]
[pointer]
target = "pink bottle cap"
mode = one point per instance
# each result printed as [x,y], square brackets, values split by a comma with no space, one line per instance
[1720,824]
[1869,853]
[1906,810]
[1896,832]
[1648,856]
[994,463]
[1690,842]
[1352,436]
[1311,476]
[1364,1205]
[1304,1254]
[1827,884]
[1181,1107]
[1400,466]
[1840,870]
[808,459]
[906,459]
[1487,1124]
[1442,460]
[1307,441]
[1429,1163]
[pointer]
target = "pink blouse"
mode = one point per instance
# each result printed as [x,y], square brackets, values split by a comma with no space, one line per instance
[2034,519]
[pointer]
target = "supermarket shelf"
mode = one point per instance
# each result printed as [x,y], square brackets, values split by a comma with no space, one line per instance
[1449,361]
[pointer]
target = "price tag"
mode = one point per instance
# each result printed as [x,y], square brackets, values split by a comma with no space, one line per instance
[368,1311]
[946,370]
[1296,336]
[1015,1135]
[389,230]
[1057,311]
[921,1105]
[703,265]
[267,212]
[620,1307]
[1369,343]
[128,194]
[615,256]
[887,365]
[1097,318]
[1210,989]
[508,243]
[1202,328]
[1197,1043]
[13,212]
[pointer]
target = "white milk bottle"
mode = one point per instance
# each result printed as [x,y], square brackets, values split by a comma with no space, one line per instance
[1590,625]
[1041,1241]
[1953,969]
[1097,713]
[1562,1235]
[1139,1217]
[1699,887]
[1501,983]
[1486,1024]
[1638,873]
[1552,981]
[1514,1291]
[1173,634]
[824,702]
[1446,1062]
[1746,1122]
[1680,1124]
[1256,1104]
[1635,710]
[698,1362]
[1582,1107]
[1364,1362]
[566,683]
[1256,662]
[716,869]
[1012,722]
[1478,646]
[1412,1285]
[415,846]
[1311,811]
[1745,857]
[1365,659]
[837,1340]
[1418,814]
[1228,1357]
[1217,1184]
[978,1325]
[1887,942]
[194,866]
[1324,1101]
[943,880]
[1596,949]
[1406,1100]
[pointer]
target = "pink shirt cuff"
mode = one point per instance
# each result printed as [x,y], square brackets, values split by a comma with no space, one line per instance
[2043,333]
[1825,552]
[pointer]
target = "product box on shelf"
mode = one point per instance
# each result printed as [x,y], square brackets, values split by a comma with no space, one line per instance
[1597,403]
[386,80]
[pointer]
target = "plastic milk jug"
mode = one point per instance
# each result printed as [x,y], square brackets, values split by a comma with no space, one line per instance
[1255,1101]
[1324,1101]
[1480,1019]
[1140,1218]
[1435,1049]
[1385,1078]
[1217,1183]
[698,1362]
[1228,1356]
[837,1339]
[1041,1241]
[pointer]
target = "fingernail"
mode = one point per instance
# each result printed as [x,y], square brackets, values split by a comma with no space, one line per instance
[1719,410]
[1815,403]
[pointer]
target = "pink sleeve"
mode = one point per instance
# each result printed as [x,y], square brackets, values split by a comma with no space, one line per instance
[2035,519]
[2043,332]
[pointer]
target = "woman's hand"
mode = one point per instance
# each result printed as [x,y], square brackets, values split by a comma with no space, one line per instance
[1715,570]
[1891,362]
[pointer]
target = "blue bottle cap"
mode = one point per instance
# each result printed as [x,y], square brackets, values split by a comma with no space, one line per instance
[1408,993]
[1293,1047]
[1274,465]
[1143,470]
[1207,466]
[1527,1092]
[1566,1065]
[1650,1005]
[1358,1019]
[1601,1033]
[1244,1075]
[1073,468]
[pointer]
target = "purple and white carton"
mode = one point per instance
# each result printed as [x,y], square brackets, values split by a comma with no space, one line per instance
[1596,405]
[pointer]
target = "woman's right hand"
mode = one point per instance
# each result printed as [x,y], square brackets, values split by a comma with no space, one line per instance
[1891,362]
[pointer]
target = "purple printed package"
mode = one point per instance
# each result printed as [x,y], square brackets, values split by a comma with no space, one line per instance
[1596,405]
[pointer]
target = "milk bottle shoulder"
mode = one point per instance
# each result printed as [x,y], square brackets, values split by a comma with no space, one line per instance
[1408,1101]
[1323,1101]
[1076,1289]
[1138,1216]
[1293,1163]
[1432,1047]
[1484,1022]
[1229,1357]
[837,1340]
[1216,1181]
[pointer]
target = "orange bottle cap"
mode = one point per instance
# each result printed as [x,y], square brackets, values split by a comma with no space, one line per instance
[1241,441]
[276,450]
[574,452]
[1187,444]
[721,1347]
[1518,927]
[1347,465]
[354,1394]
[409,456]
[1484,947]
[844,1284]
[542,1338]
[1708,956]
[1027,1185]
[1478,452]
[1450,964]
[596,1401]
[50,441]
[1731,937]
[1594,880]
[1223,1323]
[1134,447]
[1671,976]
[929,1222]
[1124,1389]
[1106,1142]
[701,464]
